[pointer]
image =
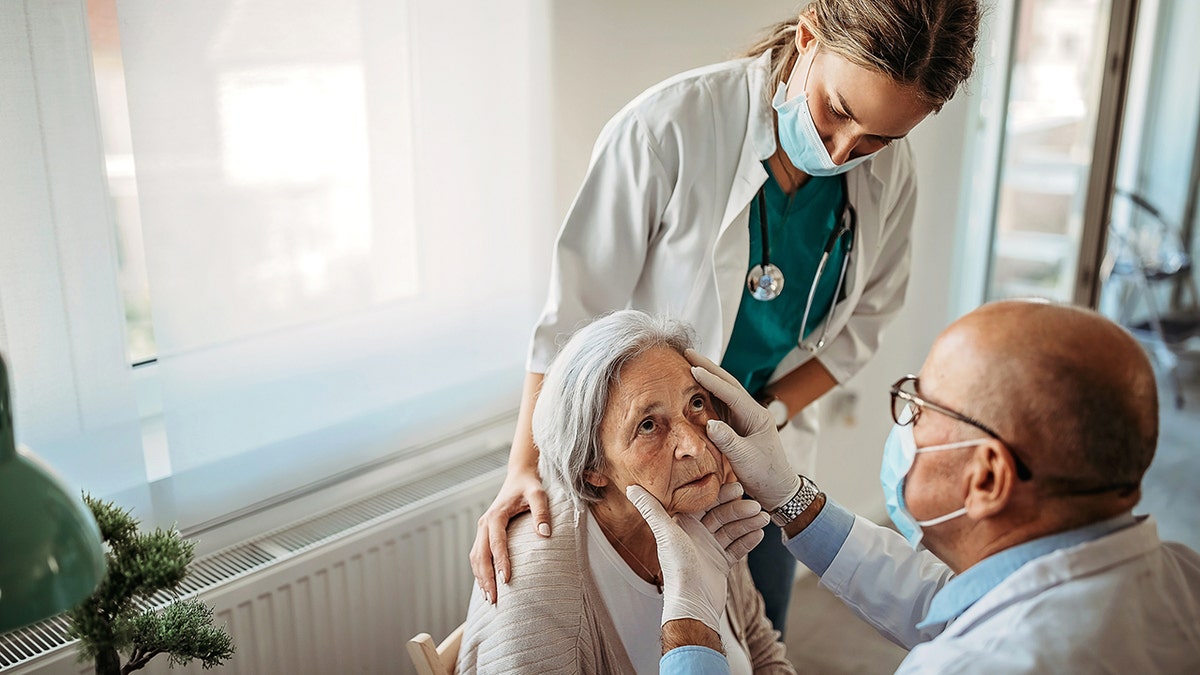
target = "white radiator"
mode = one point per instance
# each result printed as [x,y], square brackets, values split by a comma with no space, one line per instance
[339,593]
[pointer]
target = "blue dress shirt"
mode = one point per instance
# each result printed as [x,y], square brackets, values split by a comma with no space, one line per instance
[694,659]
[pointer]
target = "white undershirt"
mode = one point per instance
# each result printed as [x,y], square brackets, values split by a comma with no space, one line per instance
[636,608]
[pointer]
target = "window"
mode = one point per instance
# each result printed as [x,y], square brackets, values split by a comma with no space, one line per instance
[1045,149]
[1049,131]
[340,219]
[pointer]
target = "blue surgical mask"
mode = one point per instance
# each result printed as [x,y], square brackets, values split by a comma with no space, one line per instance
[898,455]
[799,136]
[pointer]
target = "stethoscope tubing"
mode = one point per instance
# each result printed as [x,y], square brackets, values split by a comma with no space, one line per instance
[845,228]
[848,224]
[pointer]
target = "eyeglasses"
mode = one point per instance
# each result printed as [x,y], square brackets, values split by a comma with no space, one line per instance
[905,397]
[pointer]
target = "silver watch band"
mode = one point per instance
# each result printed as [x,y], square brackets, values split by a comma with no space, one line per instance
[793,507]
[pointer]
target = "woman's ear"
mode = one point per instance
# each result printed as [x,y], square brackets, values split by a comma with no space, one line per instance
[991,474]
[804,35]
[595,479]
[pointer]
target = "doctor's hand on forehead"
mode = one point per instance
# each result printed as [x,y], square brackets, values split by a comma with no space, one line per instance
[752,445]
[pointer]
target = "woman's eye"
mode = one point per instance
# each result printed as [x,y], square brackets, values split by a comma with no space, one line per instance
[836,113]
[647,426]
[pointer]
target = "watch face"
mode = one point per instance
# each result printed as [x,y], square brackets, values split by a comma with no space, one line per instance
[779,411]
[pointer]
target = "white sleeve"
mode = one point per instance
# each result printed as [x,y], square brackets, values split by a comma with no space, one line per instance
[883,296]
[601,248]
[886,583]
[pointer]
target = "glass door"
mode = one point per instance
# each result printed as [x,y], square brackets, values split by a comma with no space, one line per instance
[1057,146]
[1148,278]
[1149,283]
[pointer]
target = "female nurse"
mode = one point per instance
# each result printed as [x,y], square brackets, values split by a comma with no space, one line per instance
[769,202]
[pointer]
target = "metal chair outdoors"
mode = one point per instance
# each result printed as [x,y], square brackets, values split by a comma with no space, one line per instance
[1153,261]
[439,660]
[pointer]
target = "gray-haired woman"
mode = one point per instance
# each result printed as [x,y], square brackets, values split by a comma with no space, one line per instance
[618,407]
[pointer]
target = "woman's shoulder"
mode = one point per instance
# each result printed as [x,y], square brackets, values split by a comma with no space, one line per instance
[731,73]
[700,108]
[692,91]
[522,532]
[538,617]
[536,559]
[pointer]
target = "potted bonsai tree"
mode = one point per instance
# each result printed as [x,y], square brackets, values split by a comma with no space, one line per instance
[116,621]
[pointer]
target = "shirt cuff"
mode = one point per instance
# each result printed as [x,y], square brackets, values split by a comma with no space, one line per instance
[693,659]
[818,544]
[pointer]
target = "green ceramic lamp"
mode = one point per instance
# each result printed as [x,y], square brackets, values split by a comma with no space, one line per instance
[51,555]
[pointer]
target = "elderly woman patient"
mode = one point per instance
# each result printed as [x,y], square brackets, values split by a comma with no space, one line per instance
[617,407]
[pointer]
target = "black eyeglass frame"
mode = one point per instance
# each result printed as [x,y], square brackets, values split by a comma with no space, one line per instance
[918,403]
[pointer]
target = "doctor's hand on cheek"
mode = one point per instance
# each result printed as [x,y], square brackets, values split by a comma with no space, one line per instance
[697,551]
[753,446]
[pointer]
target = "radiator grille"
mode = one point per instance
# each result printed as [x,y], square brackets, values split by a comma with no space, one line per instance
[273,548]
[33,640]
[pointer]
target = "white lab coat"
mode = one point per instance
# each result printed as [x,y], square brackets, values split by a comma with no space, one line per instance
[661,224]
[1124,603]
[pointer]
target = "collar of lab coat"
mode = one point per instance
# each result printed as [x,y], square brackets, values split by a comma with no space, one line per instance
[967,588]
[1062,566]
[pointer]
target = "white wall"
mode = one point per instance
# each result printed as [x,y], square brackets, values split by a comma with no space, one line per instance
[848,461]
[606,52]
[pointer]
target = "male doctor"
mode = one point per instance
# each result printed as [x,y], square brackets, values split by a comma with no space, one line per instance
[1016,459]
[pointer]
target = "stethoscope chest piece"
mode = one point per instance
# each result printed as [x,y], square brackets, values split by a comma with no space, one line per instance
[765,282]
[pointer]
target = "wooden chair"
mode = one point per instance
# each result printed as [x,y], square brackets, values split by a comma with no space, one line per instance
[439,660]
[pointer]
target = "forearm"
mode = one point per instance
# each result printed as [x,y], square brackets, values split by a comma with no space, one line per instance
[680,632]
[799,388]
[524,454]
[877,574]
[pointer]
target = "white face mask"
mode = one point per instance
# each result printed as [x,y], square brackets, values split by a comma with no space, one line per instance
[899,453]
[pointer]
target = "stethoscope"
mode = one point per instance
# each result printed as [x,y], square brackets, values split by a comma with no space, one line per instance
[765,281]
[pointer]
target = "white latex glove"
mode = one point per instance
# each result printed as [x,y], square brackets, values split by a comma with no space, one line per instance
[736,523]
[697,553]
[753,446]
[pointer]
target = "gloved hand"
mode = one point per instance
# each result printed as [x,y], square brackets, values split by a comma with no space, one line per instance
[697,553]
[757,453]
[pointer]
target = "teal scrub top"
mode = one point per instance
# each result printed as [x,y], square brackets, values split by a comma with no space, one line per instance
[798,228]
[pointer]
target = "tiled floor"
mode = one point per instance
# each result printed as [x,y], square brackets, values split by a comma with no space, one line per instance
[825,637]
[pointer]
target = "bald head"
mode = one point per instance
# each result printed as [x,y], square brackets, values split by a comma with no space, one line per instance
[1071,392]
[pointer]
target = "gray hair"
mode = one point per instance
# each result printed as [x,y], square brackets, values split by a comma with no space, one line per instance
[574,394]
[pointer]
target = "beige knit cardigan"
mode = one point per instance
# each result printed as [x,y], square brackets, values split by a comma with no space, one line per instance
[550,617]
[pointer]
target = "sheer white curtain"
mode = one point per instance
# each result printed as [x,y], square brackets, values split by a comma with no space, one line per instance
[345,210]
[61,322]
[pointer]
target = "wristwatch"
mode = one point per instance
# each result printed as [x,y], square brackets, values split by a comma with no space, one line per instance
[793,507]
[778,410]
